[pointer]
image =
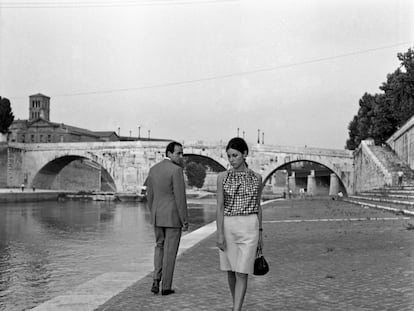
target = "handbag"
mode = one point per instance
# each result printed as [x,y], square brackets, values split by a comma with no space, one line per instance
[261,267]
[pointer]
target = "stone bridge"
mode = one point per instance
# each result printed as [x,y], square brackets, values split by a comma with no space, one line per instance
[125,165]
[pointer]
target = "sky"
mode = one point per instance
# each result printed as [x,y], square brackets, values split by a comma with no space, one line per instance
[205,70]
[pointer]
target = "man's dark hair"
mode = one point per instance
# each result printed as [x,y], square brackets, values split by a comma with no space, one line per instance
[171,147]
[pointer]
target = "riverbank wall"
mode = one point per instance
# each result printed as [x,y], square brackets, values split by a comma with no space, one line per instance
[27,196]
[3,165]
[15,195]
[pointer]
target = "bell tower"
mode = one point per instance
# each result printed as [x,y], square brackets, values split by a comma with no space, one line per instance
[39,107]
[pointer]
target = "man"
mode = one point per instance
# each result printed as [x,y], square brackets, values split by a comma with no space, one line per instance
[169,215]
[400,175]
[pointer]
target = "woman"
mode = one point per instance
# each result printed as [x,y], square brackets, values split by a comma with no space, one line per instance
[239,219]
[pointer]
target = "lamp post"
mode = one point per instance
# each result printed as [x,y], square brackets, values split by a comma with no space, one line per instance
[238,132]
[262,138]
[258,136]
[119,131]
[139,131]
[149,134]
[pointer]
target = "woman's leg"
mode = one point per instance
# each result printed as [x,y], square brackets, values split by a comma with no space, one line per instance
[231,277]
[240,290]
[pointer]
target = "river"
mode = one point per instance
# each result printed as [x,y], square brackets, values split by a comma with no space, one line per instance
[47,248]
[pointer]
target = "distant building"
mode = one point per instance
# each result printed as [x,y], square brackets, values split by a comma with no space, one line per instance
[42,131]
[39,107]
[39,129]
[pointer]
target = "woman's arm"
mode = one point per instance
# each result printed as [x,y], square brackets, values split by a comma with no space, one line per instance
[220,212]
[259,211]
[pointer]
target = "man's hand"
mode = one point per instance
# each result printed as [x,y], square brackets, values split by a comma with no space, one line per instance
[185,227]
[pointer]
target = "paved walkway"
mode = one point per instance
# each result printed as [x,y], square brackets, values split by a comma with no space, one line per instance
[323,255]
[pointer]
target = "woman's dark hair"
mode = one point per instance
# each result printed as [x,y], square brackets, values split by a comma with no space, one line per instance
[238,144]
[171,147]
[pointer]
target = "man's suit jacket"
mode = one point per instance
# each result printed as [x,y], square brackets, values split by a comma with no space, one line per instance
[166,195]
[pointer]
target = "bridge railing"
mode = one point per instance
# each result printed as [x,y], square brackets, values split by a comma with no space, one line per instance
[189,144]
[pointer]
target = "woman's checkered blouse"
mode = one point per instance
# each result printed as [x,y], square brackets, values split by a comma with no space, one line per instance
[241,191]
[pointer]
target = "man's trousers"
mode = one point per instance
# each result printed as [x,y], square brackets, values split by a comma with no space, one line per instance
[167,240]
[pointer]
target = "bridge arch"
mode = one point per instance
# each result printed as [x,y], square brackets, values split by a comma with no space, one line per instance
[335,181]
[207,161]
[73,172]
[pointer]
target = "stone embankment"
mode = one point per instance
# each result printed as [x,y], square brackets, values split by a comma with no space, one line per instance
[13,195]
[397,199]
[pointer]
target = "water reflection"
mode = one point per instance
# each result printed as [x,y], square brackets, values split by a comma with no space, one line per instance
[48,248]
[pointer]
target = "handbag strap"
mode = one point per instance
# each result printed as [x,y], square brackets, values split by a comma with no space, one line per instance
[259,251]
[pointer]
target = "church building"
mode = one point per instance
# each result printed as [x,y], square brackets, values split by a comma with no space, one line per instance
[39,129]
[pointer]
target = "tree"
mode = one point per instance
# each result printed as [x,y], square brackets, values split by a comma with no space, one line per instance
[384,123]
[361,125]
[380,115]
[6,115]
[196,174]
[353,140]
[399,89]
[365,115]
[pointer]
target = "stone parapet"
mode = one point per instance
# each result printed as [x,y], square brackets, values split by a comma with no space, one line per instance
[369,172]
[402,142]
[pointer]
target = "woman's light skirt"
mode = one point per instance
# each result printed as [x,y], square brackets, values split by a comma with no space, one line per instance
[241,234]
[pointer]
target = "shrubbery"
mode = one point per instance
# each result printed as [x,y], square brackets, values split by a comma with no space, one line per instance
[196,174]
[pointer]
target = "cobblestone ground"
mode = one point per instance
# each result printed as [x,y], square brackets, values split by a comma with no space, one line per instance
[361,261]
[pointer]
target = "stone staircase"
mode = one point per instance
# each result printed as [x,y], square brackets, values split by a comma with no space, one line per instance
[393,164]
[395,198]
